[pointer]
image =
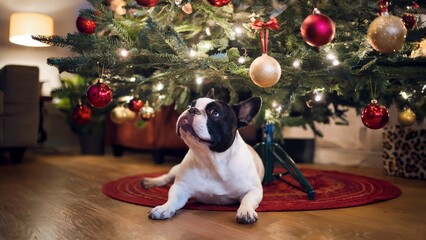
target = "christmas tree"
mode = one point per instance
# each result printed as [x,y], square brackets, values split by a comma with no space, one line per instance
[172,51]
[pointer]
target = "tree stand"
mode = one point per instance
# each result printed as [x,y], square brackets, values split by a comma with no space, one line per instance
[271,152]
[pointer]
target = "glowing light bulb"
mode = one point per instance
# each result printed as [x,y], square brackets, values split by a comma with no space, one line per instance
[296,63]
[404,95]
[241,60]
[208,32]
[192,53]
[331,56]
[335,62]
[238,30]
[132,79]
[198,80]
[124,52]
[159,86]
[318,97]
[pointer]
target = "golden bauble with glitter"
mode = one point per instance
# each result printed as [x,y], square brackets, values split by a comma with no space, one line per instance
[146,112]
[387,33]
[265,71]
[407,117]
[121,114]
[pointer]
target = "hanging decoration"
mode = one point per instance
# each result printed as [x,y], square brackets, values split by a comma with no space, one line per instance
[265,71]
[117,6]
[146,112]
[386,33]
[121,114]
[147,3]
[135,105]
[374,115]
[219,3]
[85,25]
[187,8]
[317,29]
[407,117]
[82,114]
[409,20]
[99,95]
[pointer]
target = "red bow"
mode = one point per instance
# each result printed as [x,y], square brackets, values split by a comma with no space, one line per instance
[264,35]
[272,24]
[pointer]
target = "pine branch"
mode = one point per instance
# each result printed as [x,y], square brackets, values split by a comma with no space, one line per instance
[169,36]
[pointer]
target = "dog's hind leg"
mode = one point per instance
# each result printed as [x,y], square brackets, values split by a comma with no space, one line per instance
[160,180]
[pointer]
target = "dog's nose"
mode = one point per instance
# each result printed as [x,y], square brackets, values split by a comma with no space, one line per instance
[195,111]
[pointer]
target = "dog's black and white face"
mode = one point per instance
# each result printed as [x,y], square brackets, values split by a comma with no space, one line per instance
[214,123]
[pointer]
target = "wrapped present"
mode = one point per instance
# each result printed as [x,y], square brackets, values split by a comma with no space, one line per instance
[404,151]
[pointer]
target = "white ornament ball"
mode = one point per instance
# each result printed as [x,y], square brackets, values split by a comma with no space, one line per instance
[265,71]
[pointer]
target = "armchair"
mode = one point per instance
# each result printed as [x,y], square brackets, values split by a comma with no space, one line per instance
[19,109]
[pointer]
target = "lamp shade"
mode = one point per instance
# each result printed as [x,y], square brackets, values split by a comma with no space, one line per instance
[23,25]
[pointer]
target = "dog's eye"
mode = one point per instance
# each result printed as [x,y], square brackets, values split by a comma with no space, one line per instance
[214,112]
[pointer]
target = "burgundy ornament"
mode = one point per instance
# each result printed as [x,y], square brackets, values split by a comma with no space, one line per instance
[85,25]
[317,29]
[147,3]
[135,105]
[99,95]
[374,115]
[219,3]
[82,114]
[409,21]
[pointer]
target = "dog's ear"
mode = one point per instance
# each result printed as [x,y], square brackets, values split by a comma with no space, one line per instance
[247,110]
[210,94]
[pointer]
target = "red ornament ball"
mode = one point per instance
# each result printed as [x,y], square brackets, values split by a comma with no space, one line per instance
[147,3]
[135,105]
[85,25]
[82,114]
[99,95]
[317,30]
[409,21]
[374,115]
[219,3]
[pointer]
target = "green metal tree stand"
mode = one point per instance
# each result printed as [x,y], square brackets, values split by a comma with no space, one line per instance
[271,152]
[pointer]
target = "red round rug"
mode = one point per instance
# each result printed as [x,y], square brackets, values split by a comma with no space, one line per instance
[332,190]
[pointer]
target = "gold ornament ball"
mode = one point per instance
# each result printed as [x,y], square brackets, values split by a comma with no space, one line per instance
[119,115]
[146,112]
[407,117]
[386,34]
[265,71]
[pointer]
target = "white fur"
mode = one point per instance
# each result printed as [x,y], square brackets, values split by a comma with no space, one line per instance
[227,177]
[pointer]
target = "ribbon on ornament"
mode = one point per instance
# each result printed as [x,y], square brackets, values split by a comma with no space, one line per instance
[264,31]
[383,6]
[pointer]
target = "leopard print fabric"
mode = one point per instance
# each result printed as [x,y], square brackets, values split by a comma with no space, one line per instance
[404,151]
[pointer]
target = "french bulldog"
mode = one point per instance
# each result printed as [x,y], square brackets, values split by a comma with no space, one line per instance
[219,167]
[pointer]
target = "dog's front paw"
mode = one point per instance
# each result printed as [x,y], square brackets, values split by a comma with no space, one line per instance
[247,216]
[148,183]
[161,212]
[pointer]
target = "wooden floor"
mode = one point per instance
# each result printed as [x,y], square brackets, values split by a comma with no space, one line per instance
[59,197]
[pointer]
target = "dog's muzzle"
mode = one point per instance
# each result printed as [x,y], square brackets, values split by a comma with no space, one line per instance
[185,124]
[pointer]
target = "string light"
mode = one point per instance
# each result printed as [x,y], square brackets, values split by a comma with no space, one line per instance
[132,79]
[241,60]
[296,63]
[331,56]
[159,86]
[238,30]
[198,80]
[208,32]
[405,95]
[335,62]
[192,53]
[124,52]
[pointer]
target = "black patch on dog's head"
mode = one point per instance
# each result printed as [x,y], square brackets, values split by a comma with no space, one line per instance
[221,124]
[224,120]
